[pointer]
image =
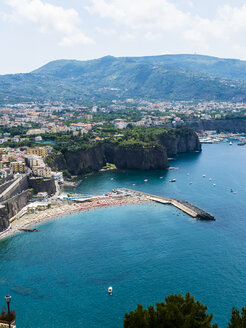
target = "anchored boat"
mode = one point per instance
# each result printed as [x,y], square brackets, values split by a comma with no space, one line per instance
[110,290]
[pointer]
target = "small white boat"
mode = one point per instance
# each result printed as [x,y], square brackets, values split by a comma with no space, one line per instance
[204,175]
[110,290]
[134,184]
[172,180]
[214,184]
[190,182]
[210,179]
[161,177]
[146,180]
[230,143]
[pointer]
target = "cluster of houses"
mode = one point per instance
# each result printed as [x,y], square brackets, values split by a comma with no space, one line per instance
[20,160]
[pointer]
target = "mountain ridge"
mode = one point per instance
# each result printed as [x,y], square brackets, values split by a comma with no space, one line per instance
[163,77]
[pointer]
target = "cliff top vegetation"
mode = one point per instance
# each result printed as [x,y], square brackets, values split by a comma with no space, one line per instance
[132,137]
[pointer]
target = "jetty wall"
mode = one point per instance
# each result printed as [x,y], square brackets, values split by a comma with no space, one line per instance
[17,186]
[182,205]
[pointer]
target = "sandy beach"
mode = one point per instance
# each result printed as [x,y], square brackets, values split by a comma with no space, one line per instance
[58,210]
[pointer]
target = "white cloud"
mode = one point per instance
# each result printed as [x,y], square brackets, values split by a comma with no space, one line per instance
[50,18]
[106,31]
[152,36]
[162,17]
[128,36]
[141,14]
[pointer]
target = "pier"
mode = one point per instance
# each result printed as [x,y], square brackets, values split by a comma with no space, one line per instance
[182,205]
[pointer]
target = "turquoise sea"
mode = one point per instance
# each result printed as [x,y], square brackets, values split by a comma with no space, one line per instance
[59,276]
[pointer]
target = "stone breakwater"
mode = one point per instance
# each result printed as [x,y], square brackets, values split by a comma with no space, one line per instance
[182,205]
[200,214]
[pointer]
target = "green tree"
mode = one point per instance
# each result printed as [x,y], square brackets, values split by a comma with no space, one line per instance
[176,312]
[238,320]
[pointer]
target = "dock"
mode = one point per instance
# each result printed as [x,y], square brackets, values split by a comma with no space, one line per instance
[182,205]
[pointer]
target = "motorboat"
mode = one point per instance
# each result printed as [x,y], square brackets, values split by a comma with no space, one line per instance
[210,179]
[204,175]
[146,180]
[230,143]
[110,290]
[172,180]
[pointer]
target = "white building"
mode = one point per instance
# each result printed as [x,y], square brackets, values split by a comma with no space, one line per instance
[58,176]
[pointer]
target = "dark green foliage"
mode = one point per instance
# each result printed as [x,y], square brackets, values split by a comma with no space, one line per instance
[238,320]
[151,78]
[25,143]
[15,130]
[131,114]
[149,137]
[134,137]
[176,312]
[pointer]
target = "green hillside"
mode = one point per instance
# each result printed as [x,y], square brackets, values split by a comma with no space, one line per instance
[168,77]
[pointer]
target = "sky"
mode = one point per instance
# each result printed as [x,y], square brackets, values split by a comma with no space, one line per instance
[34,32]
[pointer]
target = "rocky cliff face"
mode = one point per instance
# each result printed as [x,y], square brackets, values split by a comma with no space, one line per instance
[230,125]
[42,185]
[181,144]
[82,161]
[139,159]
[93,159]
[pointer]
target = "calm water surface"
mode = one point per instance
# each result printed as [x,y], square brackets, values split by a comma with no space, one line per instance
[59,276]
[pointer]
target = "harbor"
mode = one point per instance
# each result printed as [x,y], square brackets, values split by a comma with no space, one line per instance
[212,137]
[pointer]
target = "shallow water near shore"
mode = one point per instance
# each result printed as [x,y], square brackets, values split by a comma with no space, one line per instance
[59,276]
